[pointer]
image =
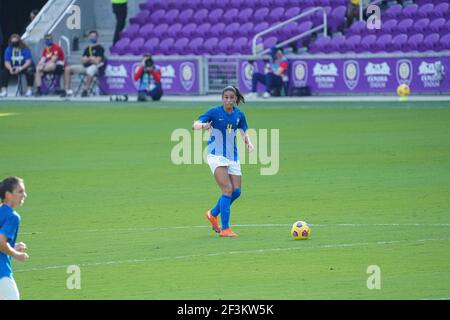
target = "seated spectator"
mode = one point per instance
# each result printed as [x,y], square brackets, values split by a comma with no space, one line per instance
[275,75]
[149,77]
[92,62]
[52,61]
[18,61]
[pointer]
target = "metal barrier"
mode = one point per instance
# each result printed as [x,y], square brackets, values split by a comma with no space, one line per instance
[220,72]
[282,24]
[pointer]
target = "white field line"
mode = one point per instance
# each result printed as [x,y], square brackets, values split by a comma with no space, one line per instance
[255,251]
[269,225]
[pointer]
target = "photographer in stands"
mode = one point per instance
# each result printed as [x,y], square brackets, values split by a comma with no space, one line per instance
[149,77]
[274,77]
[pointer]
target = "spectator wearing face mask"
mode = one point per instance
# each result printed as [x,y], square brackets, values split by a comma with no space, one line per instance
[92,62]
[18,61]
[52,61]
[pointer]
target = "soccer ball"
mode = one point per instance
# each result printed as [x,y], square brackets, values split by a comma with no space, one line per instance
[300,230]
[403,90]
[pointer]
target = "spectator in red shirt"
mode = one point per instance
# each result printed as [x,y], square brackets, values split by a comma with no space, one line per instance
[52,61]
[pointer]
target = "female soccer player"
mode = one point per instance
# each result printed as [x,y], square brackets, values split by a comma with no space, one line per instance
[223,122]
[12,195]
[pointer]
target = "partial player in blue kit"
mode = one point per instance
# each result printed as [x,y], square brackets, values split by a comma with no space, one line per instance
[223,122]
[12,195]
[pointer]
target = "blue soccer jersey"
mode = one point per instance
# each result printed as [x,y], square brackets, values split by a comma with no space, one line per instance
[9,227]
[222,141]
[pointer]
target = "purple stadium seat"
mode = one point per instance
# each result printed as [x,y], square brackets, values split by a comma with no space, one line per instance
[237,3]
[307,3]
[336,43]
[321,45]
[358,27]
[209,4]
[180,45]
[444,42]
[172,4]
[231,15]
[261,14]
[185,16]
[246,29]
[302,27]
[337,17]
[425,10]
[240,44]
[393,12]
[218,29]
[368,43]
[171,16]
[260,27]
[150,45]
[405,26]
[410,11]
[415,41]
[188,30]
[431,42]
[174,30]
[398,43]
[245,15]
[194,4]
[131,31]
[195,46]
[215,16]
[232,30]
[210,45]
[317,17]
[223,4]
[389,26]
[276,14]
[157,16]
[146,31]
[351,43]
[420,26]
[141,18]
[447,26]
[160,30]
[201,15]
[291,12]
[136,46]
[441,10]
[437,26]
[203,30]
[166,45]
[288,30]
[382,42]
[225,44]
[120,46]
[270,42]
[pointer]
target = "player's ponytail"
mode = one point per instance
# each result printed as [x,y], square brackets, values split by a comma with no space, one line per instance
[239,97]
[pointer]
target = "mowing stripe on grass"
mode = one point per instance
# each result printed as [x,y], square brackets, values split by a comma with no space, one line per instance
[187,257]
[268,225]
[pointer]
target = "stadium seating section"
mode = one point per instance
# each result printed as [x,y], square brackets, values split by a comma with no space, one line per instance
[226,27]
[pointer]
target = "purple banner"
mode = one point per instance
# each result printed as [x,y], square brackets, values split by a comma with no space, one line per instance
[371,75]
[177,77]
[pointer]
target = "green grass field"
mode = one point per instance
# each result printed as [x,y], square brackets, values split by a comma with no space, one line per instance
[373,180]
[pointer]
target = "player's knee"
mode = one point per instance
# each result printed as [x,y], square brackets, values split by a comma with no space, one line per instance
[227,189]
